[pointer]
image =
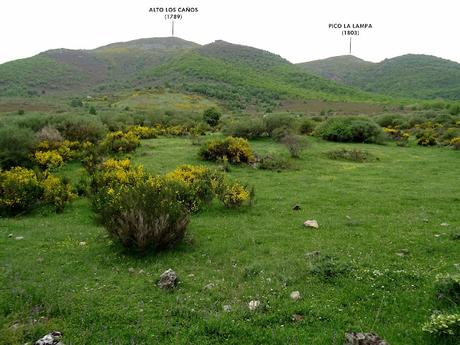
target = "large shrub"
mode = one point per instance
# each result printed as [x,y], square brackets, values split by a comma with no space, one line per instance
[15,146]
[350,129]
[20,191]
[82,128]
[245,128]
[211,116]
[146,215]
[235,150]
[276,121]
[121,142]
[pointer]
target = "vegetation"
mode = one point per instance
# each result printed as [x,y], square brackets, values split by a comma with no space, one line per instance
[350,129]
[235,150]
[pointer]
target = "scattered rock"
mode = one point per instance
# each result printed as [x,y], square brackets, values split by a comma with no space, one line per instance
[168,279]
[311,224]
[296,208]
[295,295]
[191,275]
[227,308]
[297,317]
[457,266]
[403,252]
[82,243]
[355,338]
[254,304]
[10,235]
[53,338]
[131,270]
[141,271]
[19,238]
[444,224]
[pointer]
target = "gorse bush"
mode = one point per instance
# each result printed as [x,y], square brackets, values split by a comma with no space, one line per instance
[121,142]
[201,184]
[236,150]
[48,159]
[21,190]
[143,132]
[350,129]
[233,194]
[15,146]
[146,215]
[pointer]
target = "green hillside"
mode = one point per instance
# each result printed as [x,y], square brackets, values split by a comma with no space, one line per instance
[414,76]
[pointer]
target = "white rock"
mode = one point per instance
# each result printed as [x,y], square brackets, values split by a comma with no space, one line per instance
[131,270]
[19,238]
[53,338]
[311,224]
[444,224]
[82,243]
[295,295]
[227,308]
[254,304]
[168,279]
[10,235]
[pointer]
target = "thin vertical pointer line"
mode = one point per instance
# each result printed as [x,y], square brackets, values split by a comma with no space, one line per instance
[172,29]
[350,45]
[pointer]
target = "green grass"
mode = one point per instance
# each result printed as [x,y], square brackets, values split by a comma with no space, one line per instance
[368,213]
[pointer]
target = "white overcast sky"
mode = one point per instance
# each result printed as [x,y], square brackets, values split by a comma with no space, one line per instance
[295,29]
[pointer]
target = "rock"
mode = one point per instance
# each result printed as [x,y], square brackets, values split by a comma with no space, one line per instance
[10,235]
[295,295]
[297,317]
[403,252]
[209,286]
[141,271]
[311,224]
[355,338]
[168,279]
[19,238]
[227,308]
[296,208]
[131,270]
[444,224]
[82,243]
[254,304]
[53,338]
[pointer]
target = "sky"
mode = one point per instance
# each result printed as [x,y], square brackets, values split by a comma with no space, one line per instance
[295,29]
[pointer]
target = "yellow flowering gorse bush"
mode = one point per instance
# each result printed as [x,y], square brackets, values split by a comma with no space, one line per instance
[48,159]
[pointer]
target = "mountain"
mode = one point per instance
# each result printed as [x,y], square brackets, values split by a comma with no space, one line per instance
[412,76]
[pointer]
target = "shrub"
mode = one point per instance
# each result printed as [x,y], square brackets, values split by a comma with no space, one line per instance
[295,144]
[352,155]
[50,135]
[426,138]
[20,190]
[401,138]
[448,286]
[201,184]
[234,194]
[121,142]
[143,132]
[273,162]
[236,150]
[57,192]
[248,128]
[274,121]
[211,116]
[15,146]
[278,134]
[92,110]
[350,129]
[391,120]
[114,172]
[443,325]
[454,109]
[307,126]
[146,215]
[327,267]
[82,129]
[48,159]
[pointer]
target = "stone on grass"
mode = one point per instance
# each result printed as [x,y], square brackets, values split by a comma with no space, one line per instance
[297,317]
[296,208]
[355,338]
[254,304]
[295,295]
[227,308]
[82,243]
[311,224]
[168,279]
[53,338]
[444,224]
[19,238]
[10,235]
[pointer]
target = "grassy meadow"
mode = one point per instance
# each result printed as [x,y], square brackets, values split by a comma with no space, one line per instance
[370,266]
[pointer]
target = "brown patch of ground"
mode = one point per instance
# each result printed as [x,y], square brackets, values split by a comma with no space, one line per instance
[11,106]
[317,106]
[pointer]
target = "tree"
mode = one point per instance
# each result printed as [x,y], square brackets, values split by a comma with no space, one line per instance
[211,116]
[92,110]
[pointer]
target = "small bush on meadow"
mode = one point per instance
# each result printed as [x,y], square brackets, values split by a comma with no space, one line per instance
[146,215]
[48,159]
[57,192]
[236,150]
[273,162]
[295,144]
[143,132]
[15,146]
[82,129]
[211,116]
[121,142]
[426,137]
[350,129]
[274,121]
[307,126]
[352,155]
[234,194]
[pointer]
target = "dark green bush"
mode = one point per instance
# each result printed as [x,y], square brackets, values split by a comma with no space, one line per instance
[307,126]
[273,162]
[350,129]
[82,128]
[391,120]
[274,121]
[247,128]
[211,116]
[15,146]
